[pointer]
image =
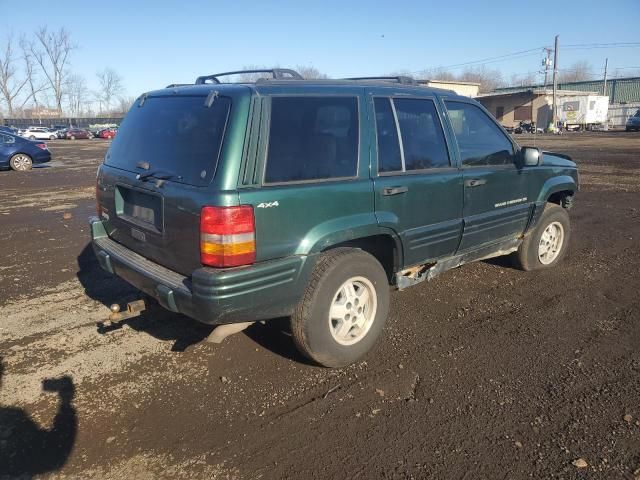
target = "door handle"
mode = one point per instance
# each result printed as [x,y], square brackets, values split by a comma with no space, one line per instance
[394,190]
[475,182]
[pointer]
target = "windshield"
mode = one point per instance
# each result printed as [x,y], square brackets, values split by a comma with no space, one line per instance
[178,134]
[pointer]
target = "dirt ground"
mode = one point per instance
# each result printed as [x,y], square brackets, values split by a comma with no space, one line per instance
[486,372]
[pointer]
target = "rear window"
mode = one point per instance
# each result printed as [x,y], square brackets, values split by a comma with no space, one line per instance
[312,138]
[177,135]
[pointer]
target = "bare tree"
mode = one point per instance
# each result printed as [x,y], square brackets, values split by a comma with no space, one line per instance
[523,80]
[51,52]
[576,72]
[437,74]
[35,84]
[124,104]
[110,87]
[310,73]
[77,92]
[10,84]
[488,79]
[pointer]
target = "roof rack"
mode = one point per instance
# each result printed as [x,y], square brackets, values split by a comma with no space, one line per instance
[277,73]
[173,85]
[397,79]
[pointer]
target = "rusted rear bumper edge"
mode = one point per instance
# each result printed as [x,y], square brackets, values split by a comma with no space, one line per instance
[214,296]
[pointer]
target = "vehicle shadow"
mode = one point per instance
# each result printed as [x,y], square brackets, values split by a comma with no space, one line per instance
[26,449]
[505,261]
[155,321]
[273,335]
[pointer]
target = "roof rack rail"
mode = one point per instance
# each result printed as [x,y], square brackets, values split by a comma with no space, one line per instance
[397,79]
[277,73]
[173,85]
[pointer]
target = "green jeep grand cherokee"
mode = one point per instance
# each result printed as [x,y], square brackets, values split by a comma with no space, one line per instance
[243,202]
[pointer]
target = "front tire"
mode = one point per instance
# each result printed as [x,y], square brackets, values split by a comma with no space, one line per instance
[547,244]
[21,162]
[344,308]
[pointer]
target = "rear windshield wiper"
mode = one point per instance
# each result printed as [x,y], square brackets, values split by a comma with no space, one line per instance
[159,175]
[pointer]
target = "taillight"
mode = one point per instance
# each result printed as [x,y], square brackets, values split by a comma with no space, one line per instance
[43,146]
[227,236]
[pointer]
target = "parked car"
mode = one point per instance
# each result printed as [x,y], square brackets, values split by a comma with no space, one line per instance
[62,133]
[633,122]
[107,133]
[359,185]
[76,133]
[21,154]
[38,133]
[12,130]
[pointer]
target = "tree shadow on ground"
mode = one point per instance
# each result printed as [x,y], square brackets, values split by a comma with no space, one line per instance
[26,449]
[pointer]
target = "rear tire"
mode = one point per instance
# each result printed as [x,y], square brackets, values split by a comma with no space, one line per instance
[21,162]
[547,244]
[343,309]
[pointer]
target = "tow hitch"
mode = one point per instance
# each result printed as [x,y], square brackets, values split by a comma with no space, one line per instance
[134,309]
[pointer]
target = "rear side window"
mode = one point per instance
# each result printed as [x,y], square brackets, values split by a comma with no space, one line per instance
[423,143]
[480,141]
[423,140]
[389,156]
[178,135]
[312,138]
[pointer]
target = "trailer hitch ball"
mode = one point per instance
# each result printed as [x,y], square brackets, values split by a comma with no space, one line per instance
[115,308]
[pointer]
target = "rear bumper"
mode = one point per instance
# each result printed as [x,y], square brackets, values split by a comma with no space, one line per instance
[42,157]
[258,292]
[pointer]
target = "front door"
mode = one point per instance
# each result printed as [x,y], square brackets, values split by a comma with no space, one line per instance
[496,206]
[418,190]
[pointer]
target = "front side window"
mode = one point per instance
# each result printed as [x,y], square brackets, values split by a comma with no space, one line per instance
[480,141]
[312,138]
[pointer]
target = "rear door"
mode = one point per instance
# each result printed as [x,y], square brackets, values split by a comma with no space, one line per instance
[310,182]
[496,205]
[157,175]
[418,189]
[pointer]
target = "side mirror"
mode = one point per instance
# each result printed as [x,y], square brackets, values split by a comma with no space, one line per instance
[531,156]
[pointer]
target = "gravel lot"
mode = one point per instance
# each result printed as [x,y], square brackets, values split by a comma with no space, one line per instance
[485,372]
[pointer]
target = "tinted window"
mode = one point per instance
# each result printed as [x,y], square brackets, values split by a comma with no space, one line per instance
[423,141]
[175,134]
[312,138]
[389,158]
[480,141]
[7,139]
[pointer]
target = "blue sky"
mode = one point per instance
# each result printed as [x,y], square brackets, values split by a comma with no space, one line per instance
[153,43]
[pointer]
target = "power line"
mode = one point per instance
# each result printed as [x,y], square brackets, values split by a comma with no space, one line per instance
[483,61]
[603,45]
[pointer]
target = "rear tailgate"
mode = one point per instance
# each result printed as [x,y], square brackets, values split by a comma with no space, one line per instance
[156,175]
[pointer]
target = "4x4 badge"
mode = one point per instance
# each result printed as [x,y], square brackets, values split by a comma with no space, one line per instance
[268,204]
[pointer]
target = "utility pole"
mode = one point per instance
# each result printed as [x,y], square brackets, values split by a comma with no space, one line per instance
[546,63]
[606,64]
[555,81]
